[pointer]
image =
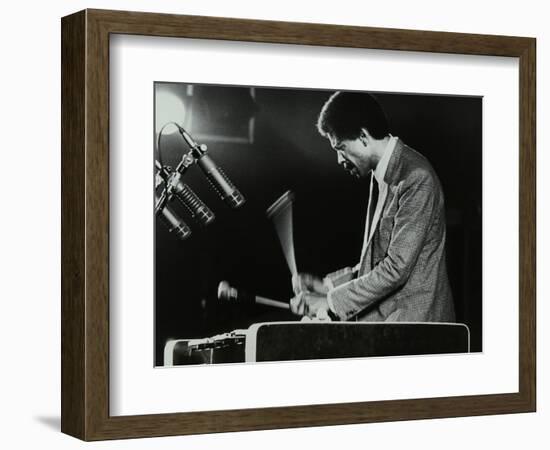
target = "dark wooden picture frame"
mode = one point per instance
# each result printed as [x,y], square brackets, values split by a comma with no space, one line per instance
[85,224]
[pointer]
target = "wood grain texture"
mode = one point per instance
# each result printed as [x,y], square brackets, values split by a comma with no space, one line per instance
[73,110]
[97,225]
[527,224]
[85,224]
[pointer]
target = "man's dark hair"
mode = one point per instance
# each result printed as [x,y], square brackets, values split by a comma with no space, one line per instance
[345,113]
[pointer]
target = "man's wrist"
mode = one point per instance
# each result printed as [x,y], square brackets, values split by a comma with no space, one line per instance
[331,311]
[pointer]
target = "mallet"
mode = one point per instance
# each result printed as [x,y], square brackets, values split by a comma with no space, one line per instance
[231,294]
[280,213]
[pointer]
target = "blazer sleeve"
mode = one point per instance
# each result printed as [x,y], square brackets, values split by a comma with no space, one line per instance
[338,277]
[417,203]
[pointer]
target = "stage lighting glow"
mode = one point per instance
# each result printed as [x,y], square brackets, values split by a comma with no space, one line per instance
[168,108]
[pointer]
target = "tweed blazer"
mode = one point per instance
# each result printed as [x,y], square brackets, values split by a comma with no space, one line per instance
[402,274]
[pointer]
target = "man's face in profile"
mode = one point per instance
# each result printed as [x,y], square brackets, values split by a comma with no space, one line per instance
[353,155]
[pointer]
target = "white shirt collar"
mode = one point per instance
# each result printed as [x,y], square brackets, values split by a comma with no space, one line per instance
[382,166]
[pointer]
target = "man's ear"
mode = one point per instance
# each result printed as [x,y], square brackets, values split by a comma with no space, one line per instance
[365,137]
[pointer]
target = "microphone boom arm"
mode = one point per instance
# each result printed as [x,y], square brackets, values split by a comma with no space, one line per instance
[175,188]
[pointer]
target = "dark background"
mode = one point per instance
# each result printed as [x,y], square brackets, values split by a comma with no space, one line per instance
[287,153]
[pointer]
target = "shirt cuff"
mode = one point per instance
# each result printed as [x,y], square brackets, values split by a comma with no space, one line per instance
[340,276]
[330,285]
[337,300]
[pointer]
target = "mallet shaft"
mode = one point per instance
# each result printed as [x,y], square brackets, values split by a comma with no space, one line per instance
[228,293]
[270,302]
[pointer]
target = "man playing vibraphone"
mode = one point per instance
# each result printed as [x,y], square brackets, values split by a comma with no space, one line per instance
[401,274]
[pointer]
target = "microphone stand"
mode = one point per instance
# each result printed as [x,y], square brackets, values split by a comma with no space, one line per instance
[174,187]
[171,178]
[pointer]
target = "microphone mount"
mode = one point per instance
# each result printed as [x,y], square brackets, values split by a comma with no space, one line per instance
[175,188]
[172,178]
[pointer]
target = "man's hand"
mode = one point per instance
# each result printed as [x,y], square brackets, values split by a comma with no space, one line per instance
[311,296]
[309,304]
[305,282]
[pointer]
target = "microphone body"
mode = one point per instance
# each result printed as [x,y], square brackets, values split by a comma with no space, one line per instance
[219,181]
[174,223]
[193,203]
[217,178]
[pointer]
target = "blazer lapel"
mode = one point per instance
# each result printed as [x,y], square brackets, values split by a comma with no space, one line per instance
[388,178]
[391,173]
[369,207]
[379,208]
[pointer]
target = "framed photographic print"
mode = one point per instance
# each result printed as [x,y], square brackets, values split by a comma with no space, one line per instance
[279,224]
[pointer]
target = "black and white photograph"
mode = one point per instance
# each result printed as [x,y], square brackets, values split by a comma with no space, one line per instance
[303,224]
[266,225]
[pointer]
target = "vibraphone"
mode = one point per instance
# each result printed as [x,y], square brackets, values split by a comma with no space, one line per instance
[285,341]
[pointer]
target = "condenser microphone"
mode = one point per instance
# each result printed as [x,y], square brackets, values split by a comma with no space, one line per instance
[193,203]
[174,223]
[217,178]
[219,181]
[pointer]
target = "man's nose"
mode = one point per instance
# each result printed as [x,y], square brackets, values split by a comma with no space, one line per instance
[341,158]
